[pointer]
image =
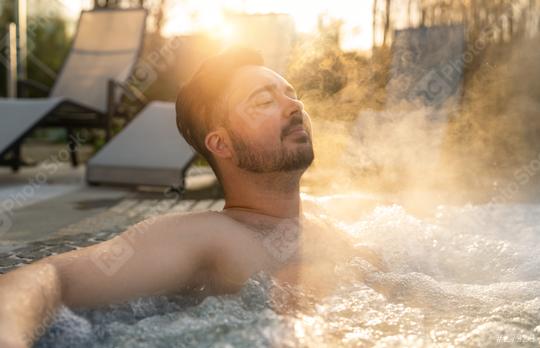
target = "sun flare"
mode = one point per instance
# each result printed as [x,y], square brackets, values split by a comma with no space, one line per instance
[210,17]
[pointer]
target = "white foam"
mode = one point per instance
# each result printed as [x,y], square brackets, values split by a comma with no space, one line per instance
[466,276]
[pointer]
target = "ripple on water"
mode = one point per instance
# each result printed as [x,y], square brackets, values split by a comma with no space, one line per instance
[467,276]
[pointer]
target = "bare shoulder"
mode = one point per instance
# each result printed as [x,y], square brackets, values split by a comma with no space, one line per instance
[209,230]
[180,224]
[231,252]
[161,254]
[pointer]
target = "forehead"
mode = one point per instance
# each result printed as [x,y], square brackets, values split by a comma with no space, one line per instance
[248,78]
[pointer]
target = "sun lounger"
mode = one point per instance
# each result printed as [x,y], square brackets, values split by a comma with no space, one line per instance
[104,52]
[148,151]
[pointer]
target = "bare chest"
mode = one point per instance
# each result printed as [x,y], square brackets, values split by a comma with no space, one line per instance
[306,257]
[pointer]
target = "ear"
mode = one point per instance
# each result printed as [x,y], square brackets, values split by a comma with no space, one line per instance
[217,142]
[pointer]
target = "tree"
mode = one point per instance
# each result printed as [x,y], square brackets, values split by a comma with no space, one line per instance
[6,17]
[374,18]
[387,21]
[48,44]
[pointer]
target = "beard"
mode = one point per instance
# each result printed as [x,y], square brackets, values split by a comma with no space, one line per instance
[279,159]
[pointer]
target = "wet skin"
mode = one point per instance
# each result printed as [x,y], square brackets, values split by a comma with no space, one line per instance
[219,254]
[261,154]
[264,225]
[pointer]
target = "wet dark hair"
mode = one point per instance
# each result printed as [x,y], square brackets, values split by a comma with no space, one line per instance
[198,101]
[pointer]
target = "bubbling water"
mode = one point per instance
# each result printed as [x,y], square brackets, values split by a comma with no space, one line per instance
[463,276]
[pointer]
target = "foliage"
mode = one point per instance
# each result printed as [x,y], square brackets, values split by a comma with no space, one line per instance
[317,62]
[48,45]
[492,133]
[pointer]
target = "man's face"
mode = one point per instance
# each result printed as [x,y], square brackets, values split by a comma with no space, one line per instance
[267,124]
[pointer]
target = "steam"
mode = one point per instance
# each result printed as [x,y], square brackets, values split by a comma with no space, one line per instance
[487,144]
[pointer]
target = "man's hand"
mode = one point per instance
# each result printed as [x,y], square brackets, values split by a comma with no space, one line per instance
[29,297]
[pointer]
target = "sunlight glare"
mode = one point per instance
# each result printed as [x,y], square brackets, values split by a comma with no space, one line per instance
[73,8]
[207,16]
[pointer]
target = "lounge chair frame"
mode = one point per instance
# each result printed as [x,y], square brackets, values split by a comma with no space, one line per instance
[69,114]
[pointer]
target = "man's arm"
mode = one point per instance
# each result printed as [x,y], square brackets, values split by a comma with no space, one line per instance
[156,256]
[29,297]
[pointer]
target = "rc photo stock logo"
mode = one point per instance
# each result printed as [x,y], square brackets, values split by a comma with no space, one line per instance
[111,259]
[5,222]
[432,90]
[141,78]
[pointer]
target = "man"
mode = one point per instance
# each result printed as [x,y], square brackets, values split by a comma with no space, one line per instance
[247,121]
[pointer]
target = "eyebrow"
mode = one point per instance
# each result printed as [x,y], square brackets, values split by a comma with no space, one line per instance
[270,88]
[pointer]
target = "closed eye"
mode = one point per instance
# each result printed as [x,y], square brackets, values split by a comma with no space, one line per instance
[264,103]
[265,98]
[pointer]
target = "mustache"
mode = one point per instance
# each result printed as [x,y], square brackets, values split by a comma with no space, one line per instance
[296,120]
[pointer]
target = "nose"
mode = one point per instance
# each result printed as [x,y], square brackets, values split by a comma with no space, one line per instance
[293,106]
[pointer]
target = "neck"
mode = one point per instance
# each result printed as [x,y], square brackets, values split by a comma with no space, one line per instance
[271,194]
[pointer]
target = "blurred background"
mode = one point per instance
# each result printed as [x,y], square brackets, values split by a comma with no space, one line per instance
[438,95]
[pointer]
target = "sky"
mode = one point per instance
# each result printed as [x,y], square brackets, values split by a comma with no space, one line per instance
[207,15]
[190,16]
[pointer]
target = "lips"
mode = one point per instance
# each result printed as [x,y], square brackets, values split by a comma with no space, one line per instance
[296,129]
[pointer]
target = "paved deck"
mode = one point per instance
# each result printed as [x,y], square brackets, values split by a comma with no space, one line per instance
[64,213]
